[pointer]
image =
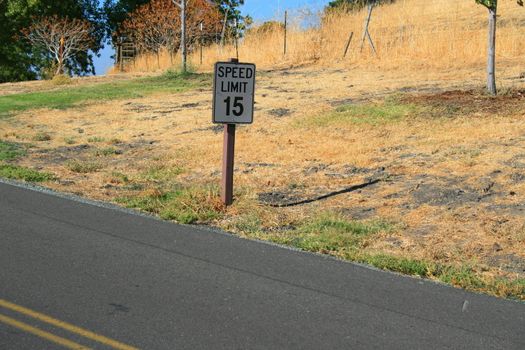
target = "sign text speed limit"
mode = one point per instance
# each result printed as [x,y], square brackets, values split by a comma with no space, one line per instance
[233,97]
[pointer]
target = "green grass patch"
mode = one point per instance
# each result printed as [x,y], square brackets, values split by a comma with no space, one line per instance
[333,234]
[95,139]
[249,224]
[42,136]
[162,173]
[83,167]
[465,276]
[68,97]
[69,140]
[119,178]
[15,172]
[105,152]
[388,111]
[185,205]
[392,263]
[115,141]
[11,150]
[327,222]
[344,239]
[330,233]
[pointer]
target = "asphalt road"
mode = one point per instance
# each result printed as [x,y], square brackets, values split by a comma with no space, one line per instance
[78,275]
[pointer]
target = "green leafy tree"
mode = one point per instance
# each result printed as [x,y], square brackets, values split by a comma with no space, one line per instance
[116,12]
[234,23]
[19,60]
[14,63]
[492,6]
[353,5]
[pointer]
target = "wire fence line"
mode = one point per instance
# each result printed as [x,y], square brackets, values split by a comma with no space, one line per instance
[444,27]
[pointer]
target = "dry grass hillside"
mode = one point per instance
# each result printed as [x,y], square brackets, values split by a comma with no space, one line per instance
[412,35]
[441,164]
[400,161]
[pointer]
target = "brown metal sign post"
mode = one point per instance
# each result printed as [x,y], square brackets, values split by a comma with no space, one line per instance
[233,100]
[228,154]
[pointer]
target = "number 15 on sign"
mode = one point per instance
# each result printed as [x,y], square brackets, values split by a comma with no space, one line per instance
[233,95]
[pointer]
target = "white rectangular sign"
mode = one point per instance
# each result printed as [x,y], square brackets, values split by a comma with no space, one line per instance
[233,93]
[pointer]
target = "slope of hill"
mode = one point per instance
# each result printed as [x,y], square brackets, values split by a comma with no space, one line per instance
[442,163]
[412,35]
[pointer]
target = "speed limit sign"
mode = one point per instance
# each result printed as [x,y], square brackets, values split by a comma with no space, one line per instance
[233,97]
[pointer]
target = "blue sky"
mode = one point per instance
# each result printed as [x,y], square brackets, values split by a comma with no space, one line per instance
[263,10]
[260,10]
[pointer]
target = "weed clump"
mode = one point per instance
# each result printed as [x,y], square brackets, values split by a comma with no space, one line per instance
[70,140]
[61,79]
[106,152]
[15,172]
[187,205]
[333,234]
[388,111]
[83,167]
[41,136]
[95,139]
[10,150]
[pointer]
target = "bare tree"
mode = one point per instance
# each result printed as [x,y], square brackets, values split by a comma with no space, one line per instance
[61,37]
[153,26]
[182,5]
[156,25]
[492,6]
[199,8]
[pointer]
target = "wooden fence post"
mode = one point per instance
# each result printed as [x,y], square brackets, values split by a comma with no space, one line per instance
[285,30]
[366,33]
[348,44]
[121,61]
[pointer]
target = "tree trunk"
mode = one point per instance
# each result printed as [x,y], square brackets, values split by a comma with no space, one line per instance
[223,31]
[59,68]
[183,34]
[61,57]
[491,64]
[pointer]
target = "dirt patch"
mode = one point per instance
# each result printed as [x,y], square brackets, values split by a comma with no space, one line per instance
[457,102]
[516,162]
[278,197]
[157,109]
[260,165]
[510,209]
[508,262]
[359,213]
[280,112]
[190,105]
[216,129]
[423,230]
[350,171]
[62,154]
[315,168]
[248,168]
[137,107]
[433,194]
[517,177]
